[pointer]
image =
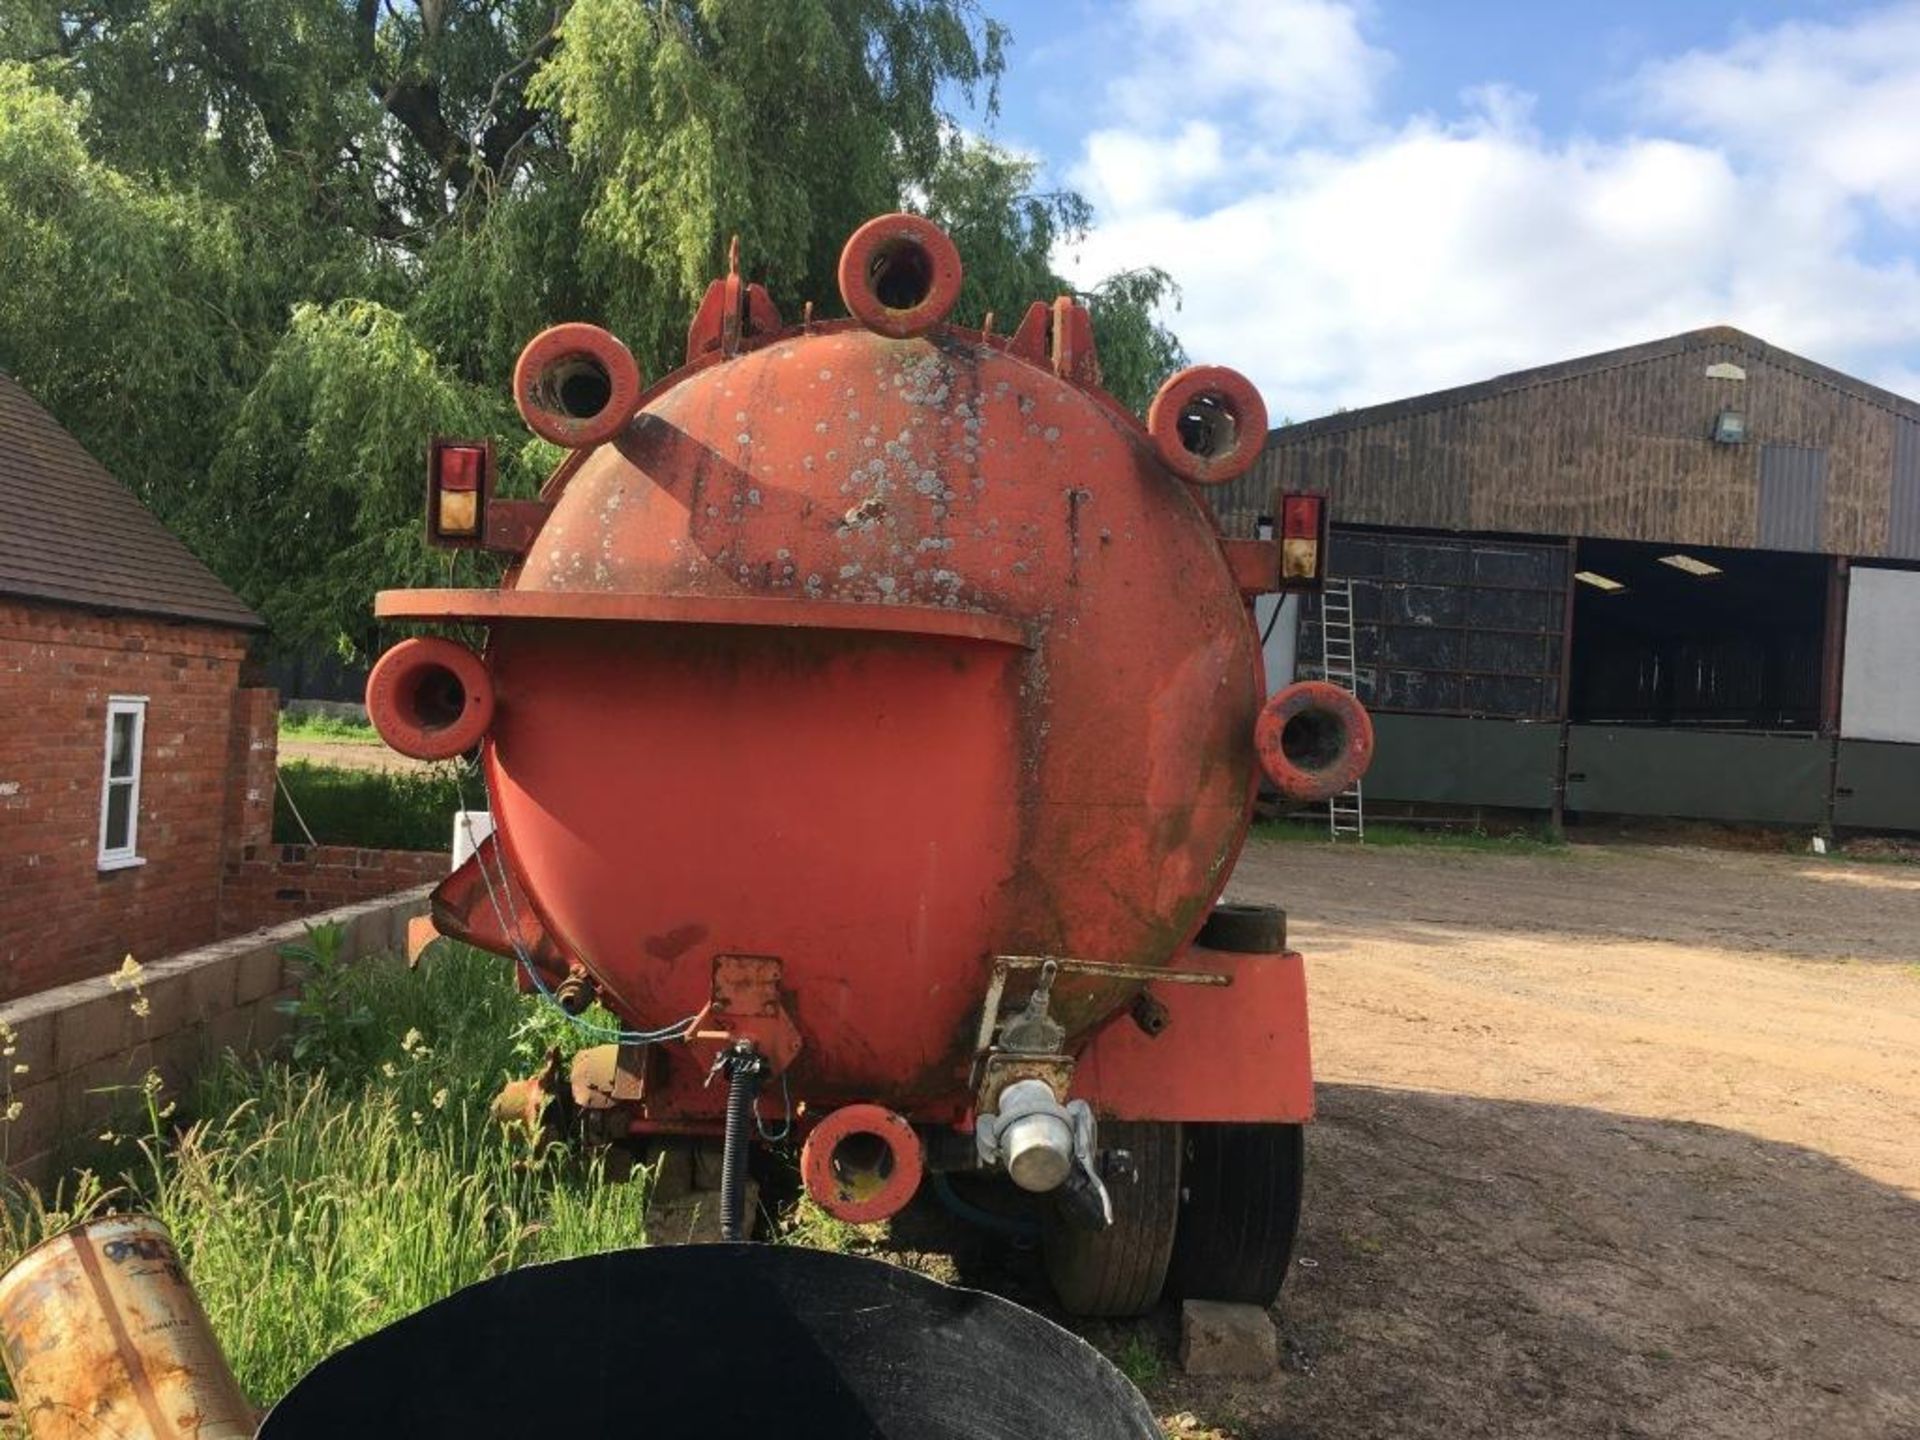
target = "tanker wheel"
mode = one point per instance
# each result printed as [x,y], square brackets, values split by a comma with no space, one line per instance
[1120,1270]
[1239,1211]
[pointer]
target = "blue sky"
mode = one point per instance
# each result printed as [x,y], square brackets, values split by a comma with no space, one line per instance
[1363,200]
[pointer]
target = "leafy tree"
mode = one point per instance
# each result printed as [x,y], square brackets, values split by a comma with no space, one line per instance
[255,251]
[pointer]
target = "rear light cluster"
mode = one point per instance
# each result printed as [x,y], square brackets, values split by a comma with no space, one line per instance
[1303,551]
[459,482]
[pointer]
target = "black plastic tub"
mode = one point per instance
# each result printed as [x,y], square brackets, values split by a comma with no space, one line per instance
[721,1340]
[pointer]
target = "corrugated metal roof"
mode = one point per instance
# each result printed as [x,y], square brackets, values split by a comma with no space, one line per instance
[71,532]
[1793,497]
[1903,516]
[1616,445]
[1712,337]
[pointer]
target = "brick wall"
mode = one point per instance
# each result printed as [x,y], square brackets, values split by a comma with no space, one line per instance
[253,755]
[270,884]
[60,915]
[206,800]
[86,1051]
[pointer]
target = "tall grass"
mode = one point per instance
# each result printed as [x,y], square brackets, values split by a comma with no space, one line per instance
[318,1198]
[376,809]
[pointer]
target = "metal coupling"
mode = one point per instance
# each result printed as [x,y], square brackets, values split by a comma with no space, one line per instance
[1034,1137]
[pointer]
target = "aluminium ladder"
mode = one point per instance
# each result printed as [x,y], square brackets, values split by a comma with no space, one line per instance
[1345,815]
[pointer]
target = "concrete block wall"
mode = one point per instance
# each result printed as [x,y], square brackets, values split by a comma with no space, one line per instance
[86,1048]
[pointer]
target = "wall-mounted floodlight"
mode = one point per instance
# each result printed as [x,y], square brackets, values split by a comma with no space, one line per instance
[1604,583]
[1729,427]
[1692,564]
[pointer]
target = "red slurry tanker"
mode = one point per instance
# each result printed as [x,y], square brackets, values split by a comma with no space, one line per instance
[871,716]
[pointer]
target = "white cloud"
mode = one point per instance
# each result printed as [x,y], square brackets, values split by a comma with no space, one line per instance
[1365,261]
[1126,171]
[1288,65]
[1829,106]
[1272,70]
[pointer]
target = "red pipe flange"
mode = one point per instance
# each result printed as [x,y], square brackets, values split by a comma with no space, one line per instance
[430,698]
[1208,424]
[862,1163]
[1314,741]
[899,275]
[576,385]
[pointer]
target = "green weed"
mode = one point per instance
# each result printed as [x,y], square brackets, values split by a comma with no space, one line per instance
[1140,1361]
[807,1224]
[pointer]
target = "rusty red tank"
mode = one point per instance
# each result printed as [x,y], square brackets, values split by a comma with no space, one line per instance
[871,710]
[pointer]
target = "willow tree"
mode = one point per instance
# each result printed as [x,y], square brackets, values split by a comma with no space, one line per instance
[253,251]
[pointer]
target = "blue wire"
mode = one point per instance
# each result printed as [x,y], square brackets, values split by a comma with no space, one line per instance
[603,1033]
[607,1034]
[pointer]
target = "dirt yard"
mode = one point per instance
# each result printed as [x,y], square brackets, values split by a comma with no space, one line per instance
[347,755]
[1613,1142]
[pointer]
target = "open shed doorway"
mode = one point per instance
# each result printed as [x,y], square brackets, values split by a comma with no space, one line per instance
[1687,637]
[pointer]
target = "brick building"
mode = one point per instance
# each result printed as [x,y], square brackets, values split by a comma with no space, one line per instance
[136,762]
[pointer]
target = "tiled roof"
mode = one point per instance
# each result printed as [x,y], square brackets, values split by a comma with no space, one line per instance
[71,532]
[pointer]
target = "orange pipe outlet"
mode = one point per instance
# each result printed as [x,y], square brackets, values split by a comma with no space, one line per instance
[862,1163]
[1315,740]
[899,275]
[1208,424]
[576,385]
[430,698]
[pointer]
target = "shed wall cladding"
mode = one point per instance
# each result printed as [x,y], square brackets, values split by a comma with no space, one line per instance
[1793,497]
[1903,514]
[1615,446]
[1449,626]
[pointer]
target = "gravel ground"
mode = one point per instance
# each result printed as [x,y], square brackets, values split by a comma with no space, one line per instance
[1618,1141]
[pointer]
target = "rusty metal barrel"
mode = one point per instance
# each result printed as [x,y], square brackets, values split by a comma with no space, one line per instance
[103,1336]
[761,1340]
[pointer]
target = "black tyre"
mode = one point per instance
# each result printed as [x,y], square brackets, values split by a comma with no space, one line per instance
[1245,929]
[1120,1270]
[1239,1211]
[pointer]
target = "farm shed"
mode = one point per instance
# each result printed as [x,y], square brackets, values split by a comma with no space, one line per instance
[1679,579]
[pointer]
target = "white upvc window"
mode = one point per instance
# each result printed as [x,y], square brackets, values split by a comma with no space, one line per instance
[120,782]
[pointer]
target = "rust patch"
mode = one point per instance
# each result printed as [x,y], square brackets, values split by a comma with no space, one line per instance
[675,942]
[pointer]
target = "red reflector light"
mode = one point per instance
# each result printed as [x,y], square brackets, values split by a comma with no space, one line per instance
[1300,517]
[460,466]
[457,486]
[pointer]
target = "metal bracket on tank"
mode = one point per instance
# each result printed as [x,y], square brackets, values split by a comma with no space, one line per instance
[1005,965]
[1025,1119]
[747,1003]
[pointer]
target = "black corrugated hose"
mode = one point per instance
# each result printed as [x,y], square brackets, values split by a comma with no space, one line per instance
[745,1069]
